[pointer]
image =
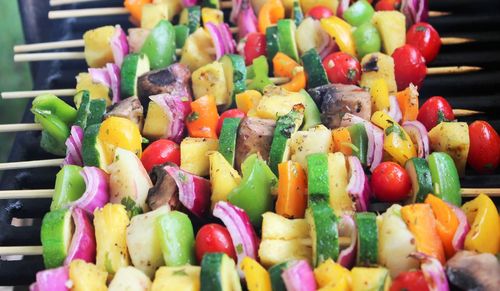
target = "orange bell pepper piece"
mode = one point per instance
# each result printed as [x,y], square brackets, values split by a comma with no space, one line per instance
[421,222]
[292,195]
[284,66]
[135,7]
[247,100]
[202,121]
[408,103]
[341,139]
[270,13]
[446,222]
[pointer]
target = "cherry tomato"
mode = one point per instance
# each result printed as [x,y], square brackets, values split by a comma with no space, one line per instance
[214,238]
[160,152]
[425,38]
[232,113]
[390,182]
[409,66]
[410,281]
[434,111]
[484,150]
[385,5]
[255,46]
[319,12]
[342,68]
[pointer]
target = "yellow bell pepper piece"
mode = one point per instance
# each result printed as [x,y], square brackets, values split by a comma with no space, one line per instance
[332,276]
[119,132]
[397,143]
[484,235]
[341,32]
[212,15]
[247,100]
[257,277]
[380,95]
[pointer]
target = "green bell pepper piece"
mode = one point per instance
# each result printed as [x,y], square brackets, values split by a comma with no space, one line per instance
[160,45]
[367,39]
[181,34]
[176,238]
[56,106]
[261,71]
[55,132]
[360,12]
[312,116]
[445,178]
[55,236]
[254,192]
[359,140]
[69,187]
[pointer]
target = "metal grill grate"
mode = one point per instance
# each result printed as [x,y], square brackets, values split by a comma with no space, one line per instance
[478,19]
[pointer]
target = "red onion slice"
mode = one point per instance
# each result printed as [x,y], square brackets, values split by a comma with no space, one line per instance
[194,191]
[96,192]
[52,280]
[240,228]
[189,3]
[343,5]
[299,277]
[114,77]
[358,187]
[83,245]
[394,110]
[74,147]
[119,45]
[347,227]
[235,10]
[227,36]
[415,11]
[418,134]
[462,229]
[217,39]
[176,110]
[433,272]
[247,21]
[100,76]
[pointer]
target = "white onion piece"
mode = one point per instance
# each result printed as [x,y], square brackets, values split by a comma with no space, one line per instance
[433,272]
[240,228]
[378,150]
[299,277]
[194,191]
[74,147]
[52,280]
[394,110]
[96,193]
[419,135]
[347,227]
[462,230]
[217,39]
[114,77]
[176,110]
[83,245]
[358,187]
[119,45]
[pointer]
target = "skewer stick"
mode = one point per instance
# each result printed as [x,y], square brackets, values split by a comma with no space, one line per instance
[31,164]
[26,194]
[452,70]
[20,127]
[24,250]
[33,94]
[49,56]
[455,40]
[73,13]
[438,13]
[473,192]
[465,112]
[66,2]
[24,48]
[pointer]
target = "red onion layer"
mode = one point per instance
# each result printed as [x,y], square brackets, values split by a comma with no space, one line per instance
[96,193]
[358,187]
[299,277]
[83,245]
[74,147]
[51,280]
[462,229]
[347,227]
[419,134]
[176,110]
[433,272]
[119,45]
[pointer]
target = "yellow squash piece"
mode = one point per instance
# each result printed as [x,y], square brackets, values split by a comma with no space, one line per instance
[484,235]
[194,154]
[223,177]
[341,32]
[96,90]
[186,278]
[256,276]
[97,46]
[119,132]
[86,276]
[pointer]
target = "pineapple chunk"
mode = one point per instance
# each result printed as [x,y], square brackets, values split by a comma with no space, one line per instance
[110,224]
[212,15]
[272,252]
[157,123]
[453,139]
[153,13]
[194,154]
[210,80]
[96,90]
[195,53]
[303,143]
[331,274]
[174,7]
[223,177]
[86,276]
[185,278]
[392,28]
[130,279]
[378,66]
[277,102]
[277,227]
[370,279]
[97,49]
[340,201]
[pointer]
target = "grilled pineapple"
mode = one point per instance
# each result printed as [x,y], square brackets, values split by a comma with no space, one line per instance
[96,90]
[303,143]
[277,102]
[223,177]
[86,276]
[392,28]
[453,139]
[378,66]
[194,154]
[97,49]
[195,52]
[177,278]
[153,13]
[210,80]
[130,279]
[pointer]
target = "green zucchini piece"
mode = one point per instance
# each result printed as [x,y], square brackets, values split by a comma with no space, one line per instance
[211,4]
[90,111]
[277,283]
[69,187]
[359,139]
[176,238]
[421,179]
[134,65]
[324,232]
[367,238]
[235,73]
[227,139]
[312,115]
[181,34]
[445,179]
[191,16]
[56,233]
[286,38]
[218,273]
[92,151]
[316,74]
[318,182]
[272,42]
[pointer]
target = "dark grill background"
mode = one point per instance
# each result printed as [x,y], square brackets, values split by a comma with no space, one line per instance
[479,19]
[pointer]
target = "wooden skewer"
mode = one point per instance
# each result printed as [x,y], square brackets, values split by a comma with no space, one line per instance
[26,194]
[66,2]
[465,112]
[49,56]
[24,250]
[452,70]
[438,13]
[33,94]
[20,127]
[73,13]
[31,164]
[472,192]
[455,40]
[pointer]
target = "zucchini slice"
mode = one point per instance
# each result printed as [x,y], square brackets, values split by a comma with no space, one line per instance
[316,74]
[218,273]
[235,72]
[227,139]
[56,233]
[272,43]
[286,38]
[92,151]
[367,239]
[318,182]
[191,16]
[324,232]
[134,65]
[421,180]
[275,272]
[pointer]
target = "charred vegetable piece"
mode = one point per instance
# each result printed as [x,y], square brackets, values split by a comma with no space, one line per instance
[164,192]
[129,108]
[174,78]
[472,271]
[254,136]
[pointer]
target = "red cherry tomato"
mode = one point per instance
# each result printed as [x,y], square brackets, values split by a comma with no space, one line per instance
[159,152]
[232,113]
[434,111]
[410,281]
[214,238]
[409,66]
[342,68]
[425,38]
[319,12]
[484,150]
[255,46]
[390,182]
[385,5]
